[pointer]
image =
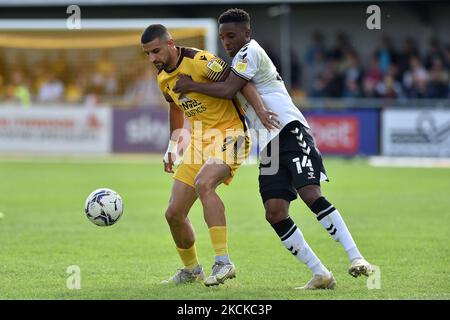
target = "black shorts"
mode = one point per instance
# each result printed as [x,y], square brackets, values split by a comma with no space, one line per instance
[299,164]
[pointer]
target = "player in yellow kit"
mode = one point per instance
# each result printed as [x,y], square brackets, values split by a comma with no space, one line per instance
[219,144]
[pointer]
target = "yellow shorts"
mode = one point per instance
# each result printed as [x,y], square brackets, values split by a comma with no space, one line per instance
[233,151]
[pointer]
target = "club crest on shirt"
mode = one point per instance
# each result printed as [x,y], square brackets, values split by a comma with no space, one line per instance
[214,65]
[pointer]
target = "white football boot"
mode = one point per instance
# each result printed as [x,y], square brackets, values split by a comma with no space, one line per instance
[220,272]
[360,267]
[319,282]
[184,275]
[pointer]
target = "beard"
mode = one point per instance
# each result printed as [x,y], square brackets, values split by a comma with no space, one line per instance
[160,65]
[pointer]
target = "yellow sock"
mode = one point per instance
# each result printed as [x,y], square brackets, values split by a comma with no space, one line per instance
[189,257]
[219,240]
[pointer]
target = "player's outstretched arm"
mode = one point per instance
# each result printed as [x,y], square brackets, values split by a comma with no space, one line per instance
[225,90]
[176,122]
[268,118]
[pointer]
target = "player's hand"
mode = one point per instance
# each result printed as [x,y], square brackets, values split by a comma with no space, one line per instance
[170,157]
[169,160]
[269,119]
[183,84]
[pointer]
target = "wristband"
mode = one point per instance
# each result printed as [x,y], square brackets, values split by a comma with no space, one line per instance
[172,147]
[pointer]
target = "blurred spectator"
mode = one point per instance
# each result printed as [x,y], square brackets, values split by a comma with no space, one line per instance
[104,80]
[51,89]
[435,52]
[415,78]
[390,87]
[77,84]
[73,92]
[447,56]
[372,77]
[2,88]
[18,90]
[316,52]
[39,74]
[341,45]
[333,82]
[353,76]
[59,66]
[386,54]
[438,86]
[296,72]
[144,91]
[3,65]
[105,64]
[315,64]
[409,50]
[111,85]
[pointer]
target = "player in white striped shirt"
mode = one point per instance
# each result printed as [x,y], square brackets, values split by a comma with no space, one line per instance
[290,149]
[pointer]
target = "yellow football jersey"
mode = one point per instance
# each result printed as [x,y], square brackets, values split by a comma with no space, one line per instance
[206,111]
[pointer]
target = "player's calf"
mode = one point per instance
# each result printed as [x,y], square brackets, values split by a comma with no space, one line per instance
[293,240]
[330,218]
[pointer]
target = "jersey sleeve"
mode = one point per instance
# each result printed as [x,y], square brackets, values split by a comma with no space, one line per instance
[168,98]
[165,93]
[245,63]
[212,67]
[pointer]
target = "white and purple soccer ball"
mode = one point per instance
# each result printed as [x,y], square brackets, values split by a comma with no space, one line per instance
[103,207]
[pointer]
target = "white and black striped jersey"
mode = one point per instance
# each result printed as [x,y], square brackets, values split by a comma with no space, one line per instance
[253,64]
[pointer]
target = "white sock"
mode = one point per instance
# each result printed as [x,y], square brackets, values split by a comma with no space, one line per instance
[297,245]
[337,228]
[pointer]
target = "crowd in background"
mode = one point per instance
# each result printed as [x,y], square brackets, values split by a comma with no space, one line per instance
[324,71]
[389,72]
[84,80]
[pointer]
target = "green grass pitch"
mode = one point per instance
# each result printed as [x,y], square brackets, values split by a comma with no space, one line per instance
[400,219]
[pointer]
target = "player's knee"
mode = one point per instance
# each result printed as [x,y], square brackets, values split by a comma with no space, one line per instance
[310,199]
[203,186]
[174,216]
[274,215]
[309,194]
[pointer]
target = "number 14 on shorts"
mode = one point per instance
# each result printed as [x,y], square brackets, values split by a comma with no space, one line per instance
[306,162]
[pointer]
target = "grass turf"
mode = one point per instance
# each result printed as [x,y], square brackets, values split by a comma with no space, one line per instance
[399,218]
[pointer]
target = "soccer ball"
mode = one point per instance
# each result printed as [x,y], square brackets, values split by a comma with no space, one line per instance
[103,207]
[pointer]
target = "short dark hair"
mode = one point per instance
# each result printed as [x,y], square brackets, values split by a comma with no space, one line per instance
[234,15]
[154,31]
